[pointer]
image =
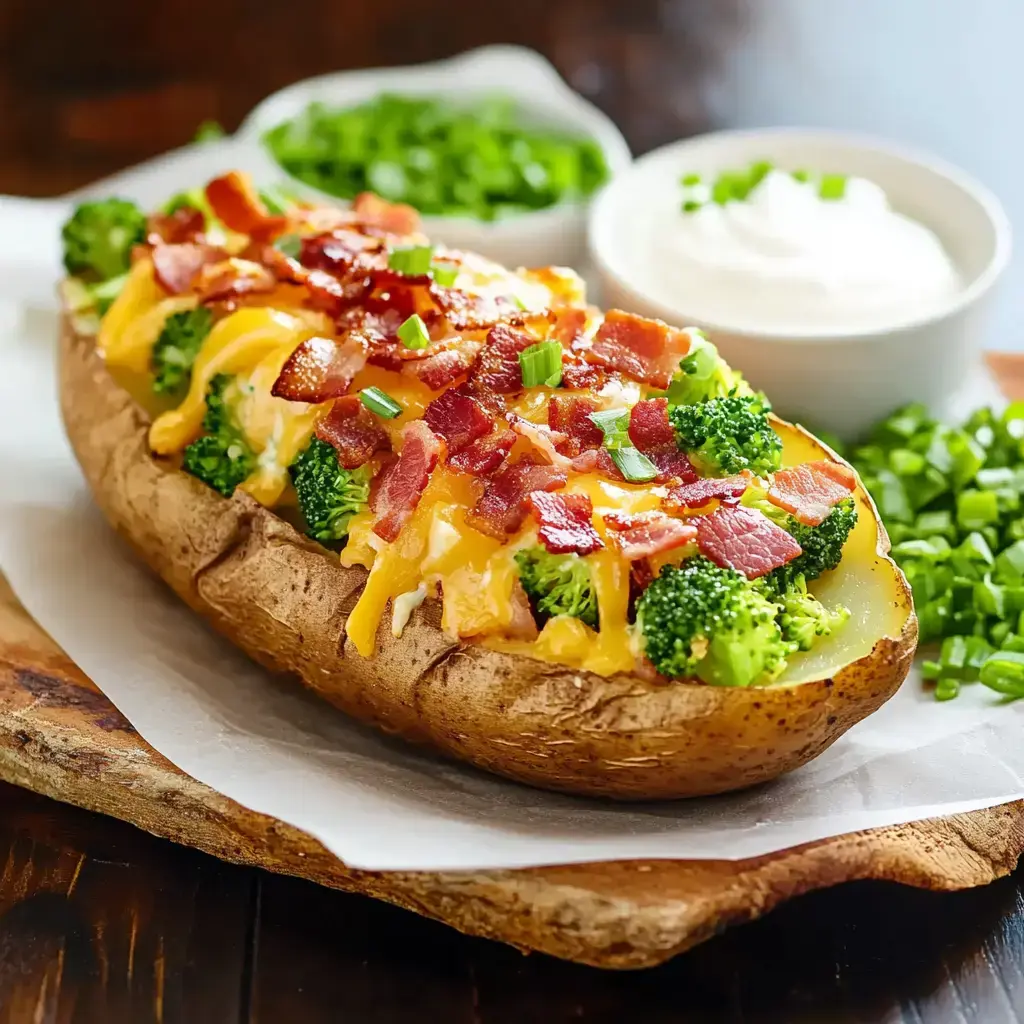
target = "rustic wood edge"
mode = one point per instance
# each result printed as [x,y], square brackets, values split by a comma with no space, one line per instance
[60,737]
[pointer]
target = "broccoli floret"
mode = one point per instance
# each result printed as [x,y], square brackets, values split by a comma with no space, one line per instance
[730,434]
[177,347]
[804,618]
[221,458]
[822,546]
[329,495]
[702,620]
[703,374]
[557,585]
[99,236]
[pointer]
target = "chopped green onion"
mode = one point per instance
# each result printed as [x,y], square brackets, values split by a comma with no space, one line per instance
[1010,563]
[290,245]
[444,276]
[541,364]
[947,689]
[275,199]
[801,176]
[832,186]
[614,424]
[413,260]
[380,402]
[689,180]
[633,464]
[975,509]
[1004,672]
[691,205]
[413,333]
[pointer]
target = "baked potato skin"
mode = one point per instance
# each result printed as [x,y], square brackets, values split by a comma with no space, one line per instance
[283,599]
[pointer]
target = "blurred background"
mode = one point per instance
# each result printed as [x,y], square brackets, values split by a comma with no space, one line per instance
[87,89]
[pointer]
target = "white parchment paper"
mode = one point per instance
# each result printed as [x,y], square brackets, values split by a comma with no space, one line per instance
[375,802]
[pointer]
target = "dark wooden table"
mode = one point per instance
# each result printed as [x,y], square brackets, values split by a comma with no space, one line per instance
[103,924]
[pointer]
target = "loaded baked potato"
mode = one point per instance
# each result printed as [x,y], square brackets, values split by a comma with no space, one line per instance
[460,504]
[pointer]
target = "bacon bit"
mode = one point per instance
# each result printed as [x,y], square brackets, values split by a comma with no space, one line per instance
[351,429]
[341,252]
[646,350]
[186,224]
[566,522]
[809,491]
[571,415]
[544,439]
[522,625]
[458,418]
[467,312]
[582,376]
[641,576]
[484,455]
[649,533]
[672,465]
[746,540]
[175,266]
[320,369]
[442,368]
[398,487]
[324,292]
[597,460]
[502,507]
[700,492]
[649,425]
[497,368]
[569,324]
[231,279]
[235,201]
[394,218]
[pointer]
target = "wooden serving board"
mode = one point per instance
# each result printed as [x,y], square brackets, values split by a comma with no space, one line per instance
[61,737]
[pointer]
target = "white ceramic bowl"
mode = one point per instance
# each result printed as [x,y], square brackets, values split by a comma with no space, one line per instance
[841,381]
[553,236]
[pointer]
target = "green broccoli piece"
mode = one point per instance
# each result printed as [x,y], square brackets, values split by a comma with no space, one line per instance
[221,458]
[176,349]
[822,546]
[730,434]
[699,619]
[329,495]
[703,374]
[804,618]
[557,585]
[99,235]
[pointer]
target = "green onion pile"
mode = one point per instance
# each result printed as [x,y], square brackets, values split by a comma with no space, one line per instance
[952,500]
[482,160]
[736,185]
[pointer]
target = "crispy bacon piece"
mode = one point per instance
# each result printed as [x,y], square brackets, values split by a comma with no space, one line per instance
[571,415]
[320,369]
[646,350]
[746,540]
[581,376]
[236,203]
[351,429]
[440,369]
[568,327]
[398,487]
[484,455]
[176,266]
[232,279]
[809,491]
[545,440]
[458,418]
[566,522]
[597,460]
[700,492]
[649,425]
[502,507]
[497,368]
[342,252]
[467,312]
[185,224]
[649,533]
[522,625]
[394,218]
[325,292]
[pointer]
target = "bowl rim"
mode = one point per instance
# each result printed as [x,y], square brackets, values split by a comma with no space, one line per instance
[966,297]
[563,102]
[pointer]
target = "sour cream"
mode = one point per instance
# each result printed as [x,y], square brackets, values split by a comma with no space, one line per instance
[787,260]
